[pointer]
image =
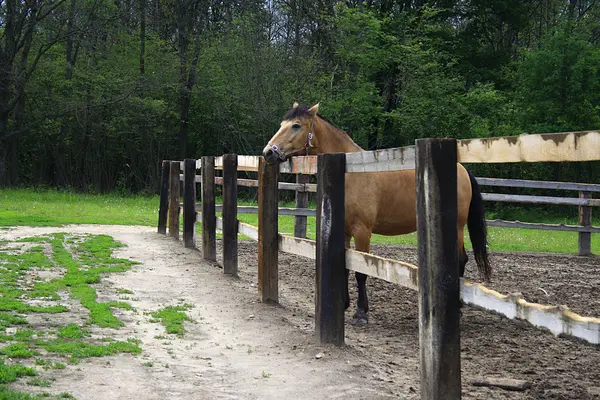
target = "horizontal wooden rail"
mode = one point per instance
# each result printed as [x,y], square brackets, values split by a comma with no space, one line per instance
[513,198]
[306,212]
[551,147]
[520,183]
[298,187]
[557,319]
[395,159]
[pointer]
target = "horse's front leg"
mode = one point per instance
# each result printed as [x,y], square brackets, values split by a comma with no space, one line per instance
[362,241]
[362,305]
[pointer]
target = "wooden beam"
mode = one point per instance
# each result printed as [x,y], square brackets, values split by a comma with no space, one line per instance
[189,203]
[588,187]
[309,187]
[551,147]
[301,202]
[174,209]
[299,165]
[307,212]
[230,221]
[163,208]
[209,222]
[248,230]
[398,272]
[557,319]
[268,269]
[517,198]
[545,227]
[331,273]
[439,290]
[585,219]
[395,159]
[298,246]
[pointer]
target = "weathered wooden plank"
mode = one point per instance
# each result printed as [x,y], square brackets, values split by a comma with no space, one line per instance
[307,212]
[230,221]
[438,275]
[268,269]
[514,198]
[551,147]
[209,222]
[546,227]
[397,272]
[396,159]
[182,177]
[163,209]
[557,319]
[301,202]
[174,210]
[245,163]
[331,276]
[520,183]
[248,230]
[585,219]
[310,187]
[299,165]
[298,246]
[189,203]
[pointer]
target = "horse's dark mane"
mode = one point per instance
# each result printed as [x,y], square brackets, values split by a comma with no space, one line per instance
[302,111]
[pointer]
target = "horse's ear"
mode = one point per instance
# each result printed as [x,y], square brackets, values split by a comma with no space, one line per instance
[313,110]
[295,105]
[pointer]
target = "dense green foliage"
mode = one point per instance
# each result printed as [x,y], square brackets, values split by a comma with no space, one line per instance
[94,93]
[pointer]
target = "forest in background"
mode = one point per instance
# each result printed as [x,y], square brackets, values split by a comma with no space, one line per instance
[95,93]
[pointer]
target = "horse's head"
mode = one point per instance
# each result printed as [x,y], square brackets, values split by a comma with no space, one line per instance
[294,137]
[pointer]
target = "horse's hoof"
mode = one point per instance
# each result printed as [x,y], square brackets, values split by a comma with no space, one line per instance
[360,318]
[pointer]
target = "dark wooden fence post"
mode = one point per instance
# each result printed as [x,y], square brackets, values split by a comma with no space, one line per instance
[268,269]
[301,202]
[189,202]
[585,219]
[163,209]
[209,218]
[230,222]
[331,278]
[439,287]
[174,199]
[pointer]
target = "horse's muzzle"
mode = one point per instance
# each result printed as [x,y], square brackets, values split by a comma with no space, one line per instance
[270,157]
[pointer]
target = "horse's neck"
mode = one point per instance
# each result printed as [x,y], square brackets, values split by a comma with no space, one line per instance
[333,140]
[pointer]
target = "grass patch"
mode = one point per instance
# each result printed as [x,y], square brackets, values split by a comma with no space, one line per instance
[173,317]
[41,382]
[40,207]
[72,331]
[10,373]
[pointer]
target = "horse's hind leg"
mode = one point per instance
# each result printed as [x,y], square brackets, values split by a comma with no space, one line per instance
[362,241]
[462,254]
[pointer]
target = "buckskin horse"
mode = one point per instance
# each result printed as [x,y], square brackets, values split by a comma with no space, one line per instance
[376,202]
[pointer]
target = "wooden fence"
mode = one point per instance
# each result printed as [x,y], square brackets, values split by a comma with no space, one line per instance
[437,278]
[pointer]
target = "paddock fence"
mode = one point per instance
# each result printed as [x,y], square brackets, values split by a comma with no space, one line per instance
[437,278]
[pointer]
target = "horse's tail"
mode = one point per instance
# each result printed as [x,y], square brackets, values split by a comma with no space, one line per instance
[478,230]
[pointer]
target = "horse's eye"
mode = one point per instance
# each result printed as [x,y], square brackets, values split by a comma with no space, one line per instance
[296,126]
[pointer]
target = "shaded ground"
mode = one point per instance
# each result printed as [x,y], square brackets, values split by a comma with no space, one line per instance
[240,348]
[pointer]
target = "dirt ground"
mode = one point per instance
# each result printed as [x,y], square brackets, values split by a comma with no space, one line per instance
[239,348]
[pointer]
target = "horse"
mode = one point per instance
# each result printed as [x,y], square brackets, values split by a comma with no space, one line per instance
[376,202]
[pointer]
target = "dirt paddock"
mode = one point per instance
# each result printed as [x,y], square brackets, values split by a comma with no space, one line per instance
[239,348]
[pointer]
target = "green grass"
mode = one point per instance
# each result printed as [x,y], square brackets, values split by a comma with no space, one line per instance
[173,317]
[55,208]
[80,261]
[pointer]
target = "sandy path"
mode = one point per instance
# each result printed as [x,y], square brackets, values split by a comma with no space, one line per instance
[238,348]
